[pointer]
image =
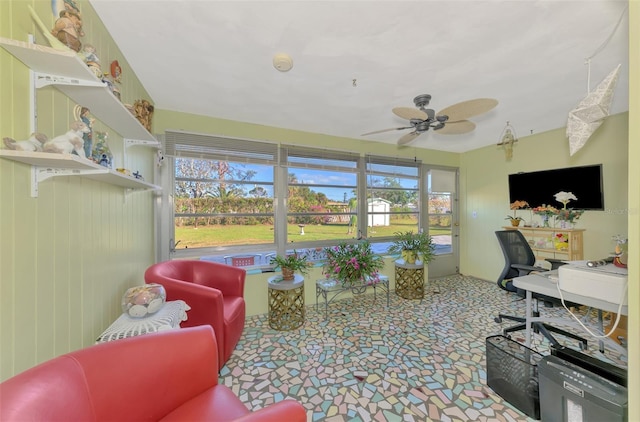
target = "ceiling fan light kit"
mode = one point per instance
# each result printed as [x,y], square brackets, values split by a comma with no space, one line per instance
[449,121]
[282,62]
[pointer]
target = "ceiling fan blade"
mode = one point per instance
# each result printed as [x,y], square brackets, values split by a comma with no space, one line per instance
[386,130]
[408,138]
[457,128]
[467,109]
[410,113]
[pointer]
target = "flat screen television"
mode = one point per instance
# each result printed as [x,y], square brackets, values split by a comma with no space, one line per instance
[539,187]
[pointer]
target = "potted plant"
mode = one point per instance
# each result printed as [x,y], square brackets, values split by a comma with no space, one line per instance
[291,263]
[515,206]
[352,264]
[413,246]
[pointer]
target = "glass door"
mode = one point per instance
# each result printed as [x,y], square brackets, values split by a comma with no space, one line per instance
[442,214]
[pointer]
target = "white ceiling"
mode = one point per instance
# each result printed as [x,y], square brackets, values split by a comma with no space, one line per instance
[214,58]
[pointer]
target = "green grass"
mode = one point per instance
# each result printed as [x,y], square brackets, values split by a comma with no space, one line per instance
[204,236]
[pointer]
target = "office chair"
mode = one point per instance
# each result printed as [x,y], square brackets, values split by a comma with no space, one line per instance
[520,261]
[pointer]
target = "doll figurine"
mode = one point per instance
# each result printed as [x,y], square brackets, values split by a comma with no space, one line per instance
[68,29]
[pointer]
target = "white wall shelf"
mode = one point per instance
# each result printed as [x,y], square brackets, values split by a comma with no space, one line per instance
[64,70]
[69,74]
[45,165]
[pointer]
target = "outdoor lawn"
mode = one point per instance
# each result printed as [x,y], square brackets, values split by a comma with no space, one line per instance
[204,236]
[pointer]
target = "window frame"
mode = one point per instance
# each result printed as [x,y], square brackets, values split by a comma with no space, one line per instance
[203,146]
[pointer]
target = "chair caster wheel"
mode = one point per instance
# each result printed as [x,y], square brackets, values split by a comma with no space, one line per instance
[583,346]
[498,320]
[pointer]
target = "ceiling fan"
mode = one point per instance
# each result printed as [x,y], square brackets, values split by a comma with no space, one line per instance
[449,121]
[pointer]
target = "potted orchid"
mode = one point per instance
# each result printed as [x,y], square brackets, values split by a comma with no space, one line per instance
[516,205]
[567,214]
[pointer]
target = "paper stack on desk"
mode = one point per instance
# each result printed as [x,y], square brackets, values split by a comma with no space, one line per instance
[606,282]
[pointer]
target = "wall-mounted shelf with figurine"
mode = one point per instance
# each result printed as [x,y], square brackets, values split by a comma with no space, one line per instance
[69,74]
[45,165]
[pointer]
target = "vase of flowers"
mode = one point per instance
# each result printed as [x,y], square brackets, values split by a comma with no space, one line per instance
[352,264]
[567,216]
[291,263]
[515,206]
[546,212]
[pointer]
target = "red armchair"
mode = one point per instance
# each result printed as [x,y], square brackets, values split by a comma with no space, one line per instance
[215,293]
[165,376]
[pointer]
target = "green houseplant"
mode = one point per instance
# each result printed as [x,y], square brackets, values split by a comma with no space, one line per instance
[413,246]
[291,263]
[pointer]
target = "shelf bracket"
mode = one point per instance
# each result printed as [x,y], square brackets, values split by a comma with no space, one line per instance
[40,174]
[133,142]
[46,79]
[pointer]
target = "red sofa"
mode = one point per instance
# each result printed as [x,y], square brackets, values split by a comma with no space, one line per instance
[215,293]
[165,376]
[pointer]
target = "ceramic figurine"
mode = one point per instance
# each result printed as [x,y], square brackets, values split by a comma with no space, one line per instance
[34,143]
[82,114]
[70,142]
[68,29]
[143,112]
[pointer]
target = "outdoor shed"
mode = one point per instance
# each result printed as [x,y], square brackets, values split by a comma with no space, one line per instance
[378,205]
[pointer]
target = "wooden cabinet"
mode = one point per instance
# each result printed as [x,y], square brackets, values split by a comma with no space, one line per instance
[68,73]
[550,242]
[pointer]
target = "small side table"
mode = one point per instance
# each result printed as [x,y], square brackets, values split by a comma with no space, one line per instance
[286,302]
[168,317]
[409,279]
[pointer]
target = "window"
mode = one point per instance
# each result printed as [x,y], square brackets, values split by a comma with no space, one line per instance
[320,186]
[223,191]
[393,196]
[441,187]
[233,196]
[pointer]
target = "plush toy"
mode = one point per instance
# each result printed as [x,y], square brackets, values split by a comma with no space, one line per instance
[101,153]
[70,142]
[34,143]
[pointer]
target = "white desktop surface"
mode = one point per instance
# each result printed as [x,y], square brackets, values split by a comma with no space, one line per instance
[546,283]
[542,283]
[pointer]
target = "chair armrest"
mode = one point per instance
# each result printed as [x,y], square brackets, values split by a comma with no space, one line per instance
[526,269]
[229,280]
[286,410]
[207,307]
[555,263]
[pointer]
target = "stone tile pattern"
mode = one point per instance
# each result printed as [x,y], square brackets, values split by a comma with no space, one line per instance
[414,361]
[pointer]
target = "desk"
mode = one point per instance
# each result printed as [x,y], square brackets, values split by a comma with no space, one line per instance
[542,284]
[329,289]
[168,317]
[286,302]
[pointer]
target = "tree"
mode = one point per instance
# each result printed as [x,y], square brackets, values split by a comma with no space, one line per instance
[394,192]
[197,178]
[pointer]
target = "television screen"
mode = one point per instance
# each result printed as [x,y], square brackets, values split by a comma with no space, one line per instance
[539,187]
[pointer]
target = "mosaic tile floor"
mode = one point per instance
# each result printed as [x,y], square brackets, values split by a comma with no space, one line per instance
[413,361]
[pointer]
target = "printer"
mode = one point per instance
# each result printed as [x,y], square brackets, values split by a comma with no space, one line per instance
[605,282]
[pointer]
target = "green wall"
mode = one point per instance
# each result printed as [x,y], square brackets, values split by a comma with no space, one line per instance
[67,256]
[485,192]
[170,120]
